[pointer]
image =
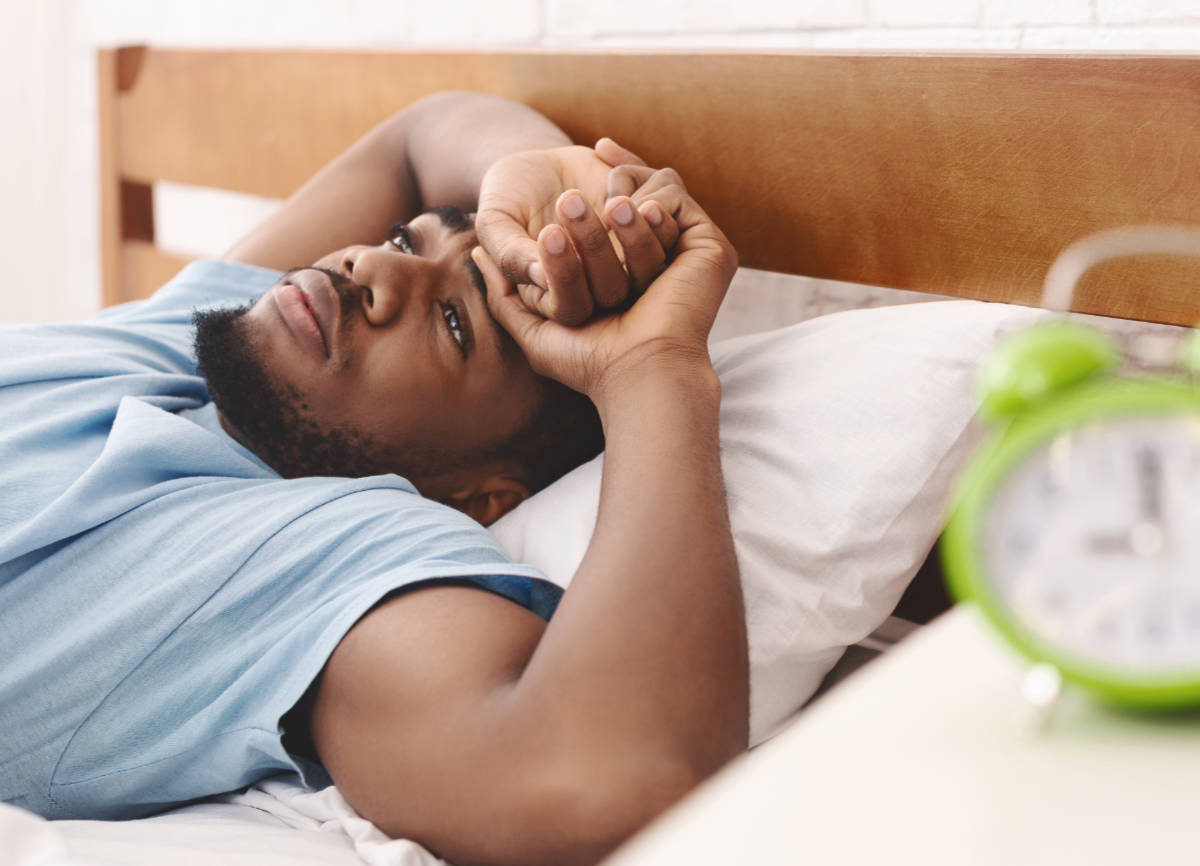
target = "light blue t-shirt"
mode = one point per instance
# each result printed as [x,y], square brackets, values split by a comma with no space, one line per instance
[165,597]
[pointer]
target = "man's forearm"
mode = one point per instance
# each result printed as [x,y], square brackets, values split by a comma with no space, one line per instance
[646,656]
[434,152]
[451,140]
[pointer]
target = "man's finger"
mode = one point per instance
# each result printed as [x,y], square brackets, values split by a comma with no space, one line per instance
[497,286]
[568,301]
[508,244]
[534,297]
[625,180]
[614,154]
[665,229]
[659,203]
[644,257]
[655,181]
[643,184]
[507,308]
[605,275]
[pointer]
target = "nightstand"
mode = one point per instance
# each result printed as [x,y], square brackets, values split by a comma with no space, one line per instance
[931,755]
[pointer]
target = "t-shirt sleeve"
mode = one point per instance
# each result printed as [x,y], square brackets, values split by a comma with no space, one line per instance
[159,330]
[243,592]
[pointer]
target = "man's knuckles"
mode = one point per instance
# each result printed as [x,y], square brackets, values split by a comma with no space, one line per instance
[625,179]
[670,196]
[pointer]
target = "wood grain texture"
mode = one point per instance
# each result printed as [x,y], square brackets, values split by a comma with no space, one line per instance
[953,174]
[146,268]
[111,289]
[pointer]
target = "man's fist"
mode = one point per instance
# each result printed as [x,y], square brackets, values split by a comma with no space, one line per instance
[545,217]
[669,323]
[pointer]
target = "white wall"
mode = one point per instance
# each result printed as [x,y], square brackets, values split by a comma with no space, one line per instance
[49,231]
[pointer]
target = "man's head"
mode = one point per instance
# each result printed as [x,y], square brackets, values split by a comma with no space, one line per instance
[385,359]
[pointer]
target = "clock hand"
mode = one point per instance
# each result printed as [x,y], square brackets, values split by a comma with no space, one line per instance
[1106,543]
[1150,484]
[1145,539]
[1149,536]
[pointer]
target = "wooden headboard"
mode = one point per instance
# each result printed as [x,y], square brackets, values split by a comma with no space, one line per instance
[956,174]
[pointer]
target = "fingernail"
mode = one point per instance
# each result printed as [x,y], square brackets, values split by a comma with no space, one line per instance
[652,214]
[573,205]
[622,214]
[556,242]
[537,275]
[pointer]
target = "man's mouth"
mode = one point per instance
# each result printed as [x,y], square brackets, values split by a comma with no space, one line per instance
[309,304]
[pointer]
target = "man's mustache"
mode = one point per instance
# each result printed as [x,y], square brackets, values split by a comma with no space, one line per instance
[342,284]
[349,292]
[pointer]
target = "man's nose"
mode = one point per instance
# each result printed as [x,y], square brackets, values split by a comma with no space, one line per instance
[391,281]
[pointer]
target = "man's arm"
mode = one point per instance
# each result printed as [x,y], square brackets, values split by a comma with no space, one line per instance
[462,721]
[645,662]
[434,152]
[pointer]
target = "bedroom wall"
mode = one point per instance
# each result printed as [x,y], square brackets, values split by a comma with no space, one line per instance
[49,232]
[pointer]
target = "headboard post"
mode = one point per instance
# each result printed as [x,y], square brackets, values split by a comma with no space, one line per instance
[110,196]
[131,265]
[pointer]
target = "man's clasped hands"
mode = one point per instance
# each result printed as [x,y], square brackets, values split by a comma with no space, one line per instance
[597,264]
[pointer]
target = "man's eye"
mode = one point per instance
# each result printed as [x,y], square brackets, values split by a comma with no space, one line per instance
[400,238]
[450,314]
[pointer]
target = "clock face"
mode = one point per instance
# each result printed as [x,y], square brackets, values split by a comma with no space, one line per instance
[1092,543]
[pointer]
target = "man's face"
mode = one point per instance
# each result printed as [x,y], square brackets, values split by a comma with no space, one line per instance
[390,350]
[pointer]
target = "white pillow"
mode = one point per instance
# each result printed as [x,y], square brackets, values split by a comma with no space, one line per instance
[840,437]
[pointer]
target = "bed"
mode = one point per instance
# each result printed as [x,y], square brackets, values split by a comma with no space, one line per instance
[950,174]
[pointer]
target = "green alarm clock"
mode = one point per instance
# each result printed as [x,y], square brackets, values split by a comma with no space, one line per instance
[1076,528]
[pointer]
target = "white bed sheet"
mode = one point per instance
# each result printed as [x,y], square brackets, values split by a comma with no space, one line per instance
[274,823]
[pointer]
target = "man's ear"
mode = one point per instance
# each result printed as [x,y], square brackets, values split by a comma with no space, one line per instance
[492,499]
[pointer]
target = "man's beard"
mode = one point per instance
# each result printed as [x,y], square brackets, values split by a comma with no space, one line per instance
[269,418]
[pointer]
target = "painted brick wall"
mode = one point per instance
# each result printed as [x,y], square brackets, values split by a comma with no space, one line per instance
[47,83]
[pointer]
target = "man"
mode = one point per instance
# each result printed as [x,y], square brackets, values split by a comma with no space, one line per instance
[182,576]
